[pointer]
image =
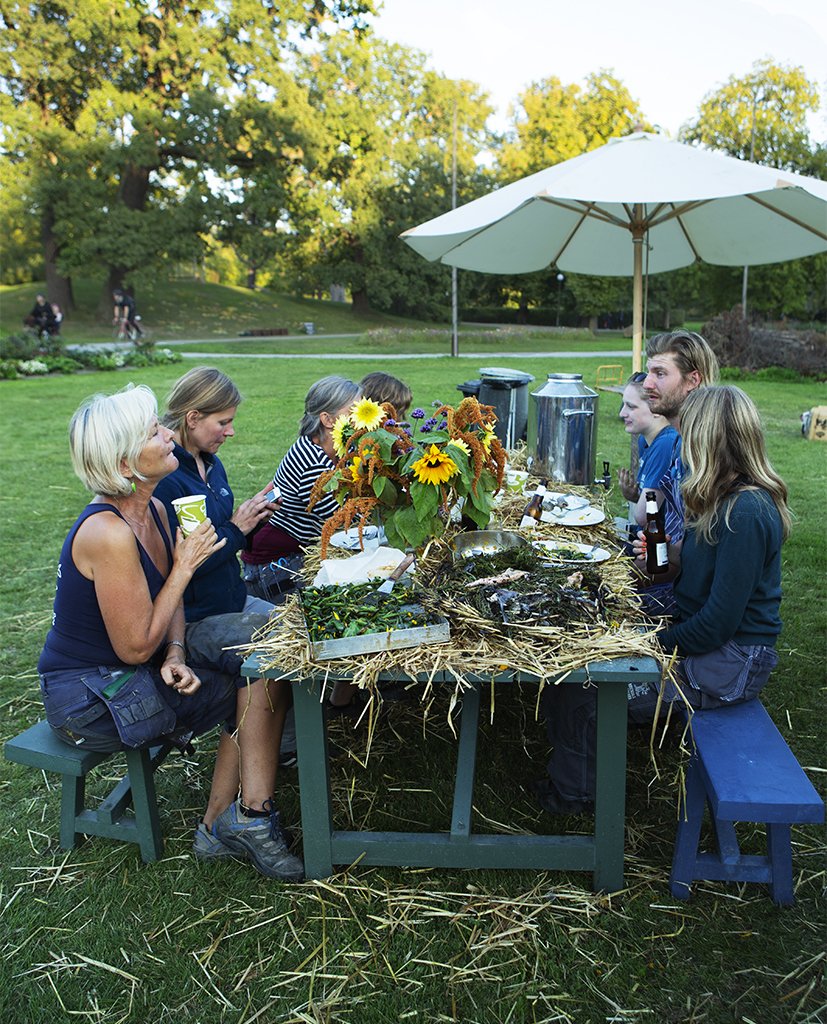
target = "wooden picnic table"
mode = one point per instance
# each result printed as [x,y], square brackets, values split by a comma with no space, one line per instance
[600,853]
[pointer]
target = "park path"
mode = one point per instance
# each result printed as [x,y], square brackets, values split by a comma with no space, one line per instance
[613,354]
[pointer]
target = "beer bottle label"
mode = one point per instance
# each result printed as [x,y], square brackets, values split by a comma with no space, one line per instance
[662,554]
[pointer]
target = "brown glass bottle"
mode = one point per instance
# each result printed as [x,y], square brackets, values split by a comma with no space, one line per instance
[533,511]
[657,550]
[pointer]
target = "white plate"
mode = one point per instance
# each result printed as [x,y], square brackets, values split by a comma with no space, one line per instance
[348,540]
[573,501]
[553,546]
[588,516]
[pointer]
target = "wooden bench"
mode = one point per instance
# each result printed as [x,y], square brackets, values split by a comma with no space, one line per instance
[743,769]
[38,747]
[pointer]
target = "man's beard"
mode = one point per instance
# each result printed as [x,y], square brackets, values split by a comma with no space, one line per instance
[668,405]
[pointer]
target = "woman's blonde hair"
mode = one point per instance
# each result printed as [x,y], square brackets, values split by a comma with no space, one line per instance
[724,452]
[107,431]
[204,390]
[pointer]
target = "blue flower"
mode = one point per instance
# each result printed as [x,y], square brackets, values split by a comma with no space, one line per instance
[425,428]
[436,404]
[443,424]
[389,423]
[430,423]
[418,414]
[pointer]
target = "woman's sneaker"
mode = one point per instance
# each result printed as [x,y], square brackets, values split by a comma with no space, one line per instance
[207,846]
[261,840]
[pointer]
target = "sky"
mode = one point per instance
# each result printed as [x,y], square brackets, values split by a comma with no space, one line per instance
[668,54]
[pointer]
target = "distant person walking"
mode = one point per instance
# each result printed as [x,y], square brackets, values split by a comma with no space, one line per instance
[125,315]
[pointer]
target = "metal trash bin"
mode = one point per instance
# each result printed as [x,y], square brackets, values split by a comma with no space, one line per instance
[507,391]
[562,430]
[470,389]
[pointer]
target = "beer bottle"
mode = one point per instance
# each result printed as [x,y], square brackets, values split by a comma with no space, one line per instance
[657,556]
[533,511]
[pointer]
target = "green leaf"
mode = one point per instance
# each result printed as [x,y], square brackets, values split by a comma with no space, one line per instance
[425,499]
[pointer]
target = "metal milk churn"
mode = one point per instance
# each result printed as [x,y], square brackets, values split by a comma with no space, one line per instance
[562,430]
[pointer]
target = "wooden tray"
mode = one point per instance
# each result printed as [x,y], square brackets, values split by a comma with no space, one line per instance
[390,640]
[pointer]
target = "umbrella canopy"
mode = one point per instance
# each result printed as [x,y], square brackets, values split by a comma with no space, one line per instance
[593,215]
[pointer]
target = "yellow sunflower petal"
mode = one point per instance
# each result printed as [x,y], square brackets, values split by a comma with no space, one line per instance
[435,467]
[367,414]
[338,435]
[457,442]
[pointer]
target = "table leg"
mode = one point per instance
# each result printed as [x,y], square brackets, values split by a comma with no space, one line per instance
[610,786]
[466,763]
[314,779]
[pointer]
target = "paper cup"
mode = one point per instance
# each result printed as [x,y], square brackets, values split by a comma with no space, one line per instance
[515,480]
[190,510]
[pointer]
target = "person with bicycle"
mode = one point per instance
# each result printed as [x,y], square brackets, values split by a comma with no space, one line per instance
[125,316]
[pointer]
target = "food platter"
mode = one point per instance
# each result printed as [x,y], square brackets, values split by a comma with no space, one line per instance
[555,499]
[571,552]
[348,540]
[573,502]
[588,516]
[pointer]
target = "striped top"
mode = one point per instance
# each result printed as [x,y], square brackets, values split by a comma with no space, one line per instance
[301,467]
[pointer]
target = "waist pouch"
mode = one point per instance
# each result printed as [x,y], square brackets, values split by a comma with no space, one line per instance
[140,715]
[730,673]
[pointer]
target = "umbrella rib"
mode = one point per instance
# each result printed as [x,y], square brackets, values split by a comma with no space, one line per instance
[786,216]
[583,209]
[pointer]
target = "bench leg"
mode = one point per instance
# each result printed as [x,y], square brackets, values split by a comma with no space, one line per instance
[688,834]
[142,784]
[72,800]
[780,855]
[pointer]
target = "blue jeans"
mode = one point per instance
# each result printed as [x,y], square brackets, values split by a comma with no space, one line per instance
[728,675]
[80,717]
[208,639]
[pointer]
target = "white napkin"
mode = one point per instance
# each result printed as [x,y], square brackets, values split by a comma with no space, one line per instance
[367,565]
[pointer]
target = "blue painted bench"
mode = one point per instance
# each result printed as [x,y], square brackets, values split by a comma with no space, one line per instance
[38,747]
[743,770]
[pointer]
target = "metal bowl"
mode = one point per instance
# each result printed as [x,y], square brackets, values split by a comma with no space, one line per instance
[485,542]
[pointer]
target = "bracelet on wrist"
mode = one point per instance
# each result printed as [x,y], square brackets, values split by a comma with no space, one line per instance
[176,643]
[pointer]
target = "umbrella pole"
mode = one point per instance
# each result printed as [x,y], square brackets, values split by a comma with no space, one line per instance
[637,295]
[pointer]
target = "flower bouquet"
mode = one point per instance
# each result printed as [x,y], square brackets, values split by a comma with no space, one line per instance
[410,476]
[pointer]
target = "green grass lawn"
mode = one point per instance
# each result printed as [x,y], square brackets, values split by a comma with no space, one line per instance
[97,936]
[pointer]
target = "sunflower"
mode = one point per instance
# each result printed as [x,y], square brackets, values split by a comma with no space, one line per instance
[354,467]
[340,432]
[366,414]
[457,442]
[487,434]
[435,467]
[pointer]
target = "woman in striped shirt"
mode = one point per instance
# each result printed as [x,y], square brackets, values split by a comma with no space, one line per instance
[291,527]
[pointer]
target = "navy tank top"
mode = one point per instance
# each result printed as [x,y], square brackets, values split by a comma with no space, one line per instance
[78,637]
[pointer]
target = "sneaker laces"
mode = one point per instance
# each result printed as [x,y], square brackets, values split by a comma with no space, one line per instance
[275,820]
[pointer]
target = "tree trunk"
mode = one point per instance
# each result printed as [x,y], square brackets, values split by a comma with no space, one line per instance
[133,191]
[58,287]
[360,301]
[522,311]
[251,278]
[593,323]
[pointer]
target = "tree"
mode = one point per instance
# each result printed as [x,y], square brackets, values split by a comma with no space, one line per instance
[135,93]
[389,123]
[553,122]
[762,117]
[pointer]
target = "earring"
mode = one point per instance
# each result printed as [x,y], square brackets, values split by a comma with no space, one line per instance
[134,488]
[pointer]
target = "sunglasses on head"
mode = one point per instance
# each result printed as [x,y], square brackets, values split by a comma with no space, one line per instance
[638,378]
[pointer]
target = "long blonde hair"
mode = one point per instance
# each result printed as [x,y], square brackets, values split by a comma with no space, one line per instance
[724,452]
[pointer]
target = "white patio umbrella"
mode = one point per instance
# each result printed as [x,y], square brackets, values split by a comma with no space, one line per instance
[594,214]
